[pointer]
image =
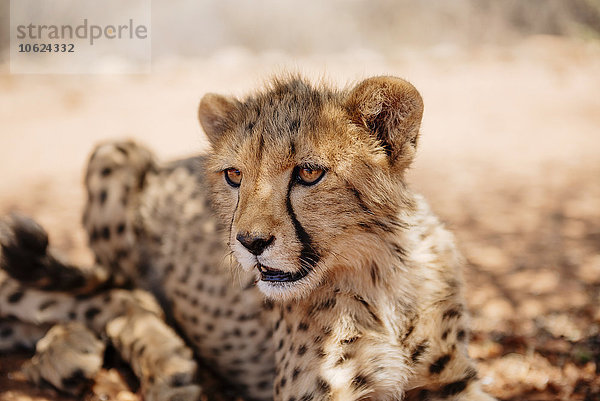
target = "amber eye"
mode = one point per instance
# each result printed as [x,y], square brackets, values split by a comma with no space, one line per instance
[233,177]
[309,175]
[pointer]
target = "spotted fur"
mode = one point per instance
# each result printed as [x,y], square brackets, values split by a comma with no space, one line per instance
[345,288]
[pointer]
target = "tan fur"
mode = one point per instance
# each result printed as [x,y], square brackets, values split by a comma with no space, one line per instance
[371,304]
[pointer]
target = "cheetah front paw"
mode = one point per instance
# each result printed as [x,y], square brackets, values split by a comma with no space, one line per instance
[68,357]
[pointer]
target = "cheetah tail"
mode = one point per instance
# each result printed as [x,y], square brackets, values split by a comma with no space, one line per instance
[26,256]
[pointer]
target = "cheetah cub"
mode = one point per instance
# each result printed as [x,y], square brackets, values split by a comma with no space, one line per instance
[365,280]
[347,287]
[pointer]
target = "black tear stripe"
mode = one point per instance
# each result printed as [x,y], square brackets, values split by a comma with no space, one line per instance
[309,257]
[237,202]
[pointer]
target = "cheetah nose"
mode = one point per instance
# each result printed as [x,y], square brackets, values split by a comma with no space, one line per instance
[255,243]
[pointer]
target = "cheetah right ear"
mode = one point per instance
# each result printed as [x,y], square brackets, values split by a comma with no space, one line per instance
[216,114]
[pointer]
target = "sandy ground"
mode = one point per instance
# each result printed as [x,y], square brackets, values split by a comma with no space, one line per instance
[509,158]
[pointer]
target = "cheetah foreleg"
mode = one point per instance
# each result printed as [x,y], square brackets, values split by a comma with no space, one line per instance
[159,357]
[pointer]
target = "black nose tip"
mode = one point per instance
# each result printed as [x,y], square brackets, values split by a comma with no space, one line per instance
[255,243]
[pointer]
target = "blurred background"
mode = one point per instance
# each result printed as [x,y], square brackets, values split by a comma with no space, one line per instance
[509,156]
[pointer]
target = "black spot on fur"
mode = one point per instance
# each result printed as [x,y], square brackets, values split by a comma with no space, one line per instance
[46,304]
[74,380]
[360,381]
[461,335]
[323,386]
[6,332]
[94,235]
[122,254]
[418,351]
[349,340]
[303,326]
[440,364]
[269,305]
[91,313]
[341,360]
[15,297]
[374,273]
[103,196]
[121,228]
[408,332]
[400,251]
[445,334]
[106,171]
[106,233]
[453,312]
[458,386]
[368,307]
[324,305]
[302,350]
[295,373]
[307,397]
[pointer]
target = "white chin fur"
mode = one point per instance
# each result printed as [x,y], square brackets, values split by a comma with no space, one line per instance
[280,291]
[245,258]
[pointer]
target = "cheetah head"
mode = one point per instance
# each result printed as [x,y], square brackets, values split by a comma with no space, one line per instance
[309,180]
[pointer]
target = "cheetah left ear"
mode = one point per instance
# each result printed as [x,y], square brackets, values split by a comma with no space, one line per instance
[216,114]
[391,109]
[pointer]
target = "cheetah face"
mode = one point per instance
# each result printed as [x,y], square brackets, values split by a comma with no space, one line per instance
[309,181]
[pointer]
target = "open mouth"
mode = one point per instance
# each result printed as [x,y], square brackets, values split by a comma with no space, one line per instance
[274,275]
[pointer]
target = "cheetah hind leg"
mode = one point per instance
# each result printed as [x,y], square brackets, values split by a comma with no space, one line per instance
[26,256]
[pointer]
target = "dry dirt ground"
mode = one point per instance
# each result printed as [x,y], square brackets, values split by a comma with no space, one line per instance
[509,158]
